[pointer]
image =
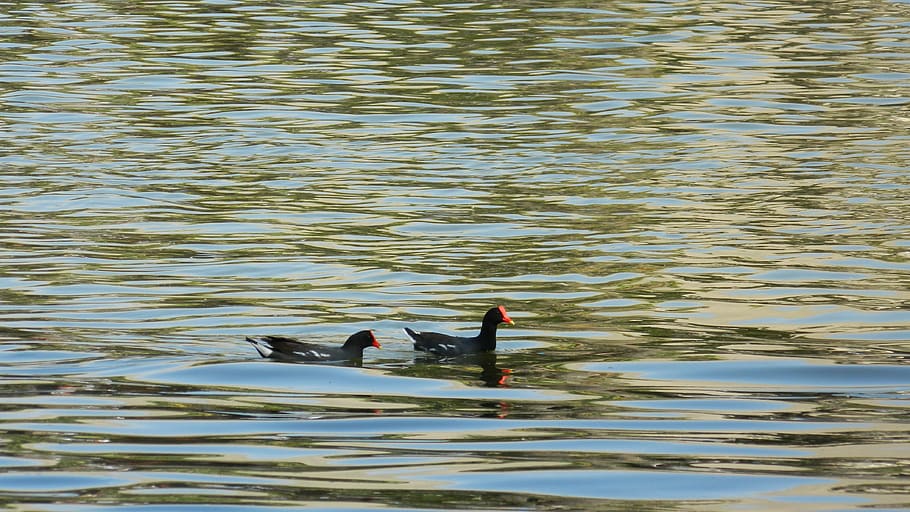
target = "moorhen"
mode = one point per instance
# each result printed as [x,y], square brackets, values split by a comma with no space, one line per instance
[446,345]
[283,348]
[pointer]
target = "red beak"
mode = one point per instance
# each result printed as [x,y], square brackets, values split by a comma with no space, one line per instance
[505,316]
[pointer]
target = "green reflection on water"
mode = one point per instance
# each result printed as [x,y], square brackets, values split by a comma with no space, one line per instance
[688,183]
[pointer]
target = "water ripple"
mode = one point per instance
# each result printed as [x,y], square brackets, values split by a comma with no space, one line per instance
[694,213]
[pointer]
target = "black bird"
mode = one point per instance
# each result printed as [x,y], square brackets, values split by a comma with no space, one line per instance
[282,348]
[446,345]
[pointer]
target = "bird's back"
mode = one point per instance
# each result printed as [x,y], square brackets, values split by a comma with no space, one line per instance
[280,347]
[440,344]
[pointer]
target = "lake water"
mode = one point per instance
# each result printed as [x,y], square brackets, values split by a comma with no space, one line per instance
[696,213]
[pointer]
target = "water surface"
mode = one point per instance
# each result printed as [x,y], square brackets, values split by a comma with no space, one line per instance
[695,213]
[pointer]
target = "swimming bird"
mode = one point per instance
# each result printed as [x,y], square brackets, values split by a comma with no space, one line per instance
[282,348]
[447,345]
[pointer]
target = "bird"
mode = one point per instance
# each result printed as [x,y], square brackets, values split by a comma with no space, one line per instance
[282,348]
[446,345]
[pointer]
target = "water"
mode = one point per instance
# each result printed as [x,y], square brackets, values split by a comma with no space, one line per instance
[695,213]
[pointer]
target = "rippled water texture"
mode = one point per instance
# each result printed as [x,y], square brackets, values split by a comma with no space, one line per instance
[695,212]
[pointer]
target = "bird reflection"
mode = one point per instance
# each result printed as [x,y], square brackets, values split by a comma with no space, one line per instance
[492,376]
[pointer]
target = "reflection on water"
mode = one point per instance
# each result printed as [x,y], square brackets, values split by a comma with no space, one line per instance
[695,212]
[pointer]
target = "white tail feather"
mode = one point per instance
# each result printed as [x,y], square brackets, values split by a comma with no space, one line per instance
[263,350]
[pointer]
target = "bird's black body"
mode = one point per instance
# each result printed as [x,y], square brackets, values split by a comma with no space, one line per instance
[445,345]
[282,348]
